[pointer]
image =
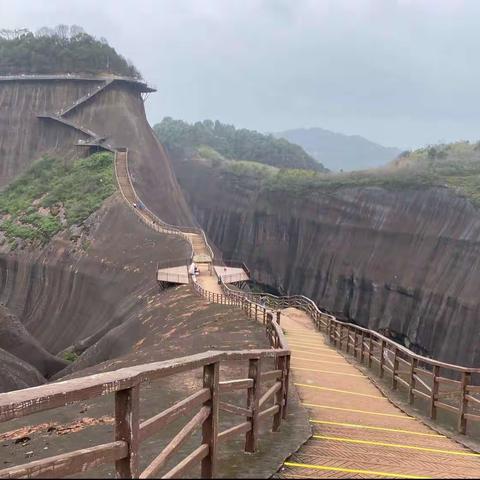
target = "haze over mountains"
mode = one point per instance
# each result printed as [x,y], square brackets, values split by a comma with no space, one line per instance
[338,151]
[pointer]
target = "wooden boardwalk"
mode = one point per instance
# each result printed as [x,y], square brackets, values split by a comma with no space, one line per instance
[357,432]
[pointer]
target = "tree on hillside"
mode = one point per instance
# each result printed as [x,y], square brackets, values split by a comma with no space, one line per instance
[63,49]
[232,143]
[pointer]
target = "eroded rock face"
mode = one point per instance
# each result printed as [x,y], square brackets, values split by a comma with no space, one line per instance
[116,114]
[407,261]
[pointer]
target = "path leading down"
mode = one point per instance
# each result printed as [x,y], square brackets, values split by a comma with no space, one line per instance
[357,432]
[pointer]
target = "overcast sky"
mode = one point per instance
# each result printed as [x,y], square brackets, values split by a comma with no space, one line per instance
[400,72]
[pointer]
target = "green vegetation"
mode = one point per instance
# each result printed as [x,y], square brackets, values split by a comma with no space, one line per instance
[455,166]
[70,356]
[52,195]
[63,49]
[217,141]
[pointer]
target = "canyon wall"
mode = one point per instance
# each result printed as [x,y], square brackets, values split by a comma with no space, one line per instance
[405,262]
[116,113]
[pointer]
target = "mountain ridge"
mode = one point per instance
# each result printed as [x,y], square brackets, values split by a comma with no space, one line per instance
[338,151]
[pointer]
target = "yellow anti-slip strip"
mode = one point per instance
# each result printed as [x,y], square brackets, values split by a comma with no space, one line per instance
[351,470]
[366,412]
[397,445]
[383,429]
[313,346]
[326,371]
[339,391]
[318,361]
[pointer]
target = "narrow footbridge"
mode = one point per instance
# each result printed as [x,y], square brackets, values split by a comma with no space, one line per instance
[356,430]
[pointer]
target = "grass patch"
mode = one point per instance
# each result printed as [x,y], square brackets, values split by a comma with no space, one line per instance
[454,166]
[51,196]
[70,356]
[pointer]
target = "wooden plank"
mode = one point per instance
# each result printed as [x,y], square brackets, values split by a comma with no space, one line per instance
[268,412]
[446,406]
[271,375]
[449,381]
[232,385]
[420,394]
[274,388]
[69,463]
[470,398]
[127,404]
[471,416]
[402,381]
[180,438]
[154,424]
[419,380]
[473,388]
[188,462]
[235,409]
[229,432]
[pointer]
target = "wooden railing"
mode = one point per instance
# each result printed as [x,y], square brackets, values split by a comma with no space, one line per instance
[438,385]
[266,389]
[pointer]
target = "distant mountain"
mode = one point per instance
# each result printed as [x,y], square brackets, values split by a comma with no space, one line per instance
[340,152]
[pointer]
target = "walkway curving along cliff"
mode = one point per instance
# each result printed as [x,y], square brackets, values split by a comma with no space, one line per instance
[341,400]
[357,431]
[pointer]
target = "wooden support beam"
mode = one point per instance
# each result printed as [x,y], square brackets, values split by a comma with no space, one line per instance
[211,374]
[127,430]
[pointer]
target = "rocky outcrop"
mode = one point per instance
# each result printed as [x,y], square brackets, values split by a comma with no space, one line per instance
[15,373]
[405,262]
[115,114]
[15,339]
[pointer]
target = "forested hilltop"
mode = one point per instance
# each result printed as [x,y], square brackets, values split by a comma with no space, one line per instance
[63,49]
[217,141]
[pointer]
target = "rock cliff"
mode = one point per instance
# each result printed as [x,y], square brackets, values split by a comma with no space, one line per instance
[404,261]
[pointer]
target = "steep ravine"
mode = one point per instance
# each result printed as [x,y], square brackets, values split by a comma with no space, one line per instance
[401,261]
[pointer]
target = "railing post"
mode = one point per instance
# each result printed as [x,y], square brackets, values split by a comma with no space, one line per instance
[264,315]
[126,429]
[411,380]
[370,350]
[279,396]
[462,421]
[434,394]
[348,339]
[285,392]
[256,312]
[382,357]
[253,397]
[340,340]
[278,317]
[355,342]
[211,375]
[395,368]
[362,347]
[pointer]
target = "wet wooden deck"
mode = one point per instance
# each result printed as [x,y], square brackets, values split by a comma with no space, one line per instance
[173,275]
[357,432]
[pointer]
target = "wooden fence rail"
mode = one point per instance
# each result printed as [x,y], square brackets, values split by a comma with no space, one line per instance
[262,387]
[442,386]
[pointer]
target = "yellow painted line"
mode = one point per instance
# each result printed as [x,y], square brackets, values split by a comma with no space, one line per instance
[326,371]
[397,445]
[383,429]
[317,361]
[339,391]
[352,410]
[321,355]
[351,470]
[298,345]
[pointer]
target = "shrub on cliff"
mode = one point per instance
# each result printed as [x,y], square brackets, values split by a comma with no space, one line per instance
[60,50]
[52,195]
[235,144]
